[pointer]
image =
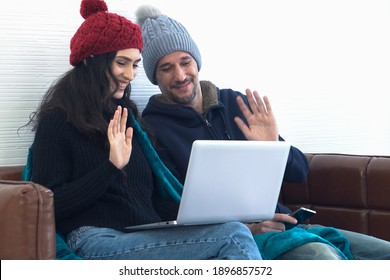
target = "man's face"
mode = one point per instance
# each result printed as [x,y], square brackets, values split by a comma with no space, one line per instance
[177,77]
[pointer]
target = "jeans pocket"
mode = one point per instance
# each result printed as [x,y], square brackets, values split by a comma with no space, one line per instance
[73,238]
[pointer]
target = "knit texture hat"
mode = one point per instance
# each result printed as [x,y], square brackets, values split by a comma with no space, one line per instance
[102,32]
[162,35]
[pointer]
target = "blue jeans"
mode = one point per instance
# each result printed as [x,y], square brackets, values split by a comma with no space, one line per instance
[312,251]
[363,247]
[366,247]
[223,241]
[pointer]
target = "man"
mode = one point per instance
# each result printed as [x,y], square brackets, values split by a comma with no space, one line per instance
[188,109]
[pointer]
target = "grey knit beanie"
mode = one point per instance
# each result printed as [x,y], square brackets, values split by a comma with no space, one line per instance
[162,36]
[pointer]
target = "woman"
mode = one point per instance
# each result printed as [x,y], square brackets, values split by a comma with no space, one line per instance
[86,151]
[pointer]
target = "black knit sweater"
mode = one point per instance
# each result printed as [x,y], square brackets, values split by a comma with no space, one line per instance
[88,189]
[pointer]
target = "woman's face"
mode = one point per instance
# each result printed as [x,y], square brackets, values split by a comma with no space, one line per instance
[125,68]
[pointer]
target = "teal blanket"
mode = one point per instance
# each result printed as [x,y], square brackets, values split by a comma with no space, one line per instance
[63,252]
[274,244]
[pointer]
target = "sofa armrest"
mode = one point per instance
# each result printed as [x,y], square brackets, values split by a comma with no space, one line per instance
[27,225]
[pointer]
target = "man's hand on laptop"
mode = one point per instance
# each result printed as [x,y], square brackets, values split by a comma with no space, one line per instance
[274,225]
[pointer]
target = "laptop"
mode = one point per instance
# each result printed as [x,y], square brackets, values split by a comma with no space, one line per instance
[230,180]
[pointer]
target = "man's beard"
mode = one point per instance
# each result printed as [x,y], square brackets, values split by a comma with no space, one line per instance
[183,100]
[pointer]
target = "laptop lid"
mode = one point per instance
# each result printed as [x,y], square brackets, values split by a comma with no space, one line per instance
[231,180]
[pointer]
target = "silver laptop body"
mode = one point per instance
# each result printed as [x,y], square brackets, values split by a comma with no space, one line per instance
[228,181]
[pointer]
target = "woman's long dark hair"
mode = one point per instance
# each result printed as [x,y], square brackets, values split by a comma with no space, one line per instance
[85,96]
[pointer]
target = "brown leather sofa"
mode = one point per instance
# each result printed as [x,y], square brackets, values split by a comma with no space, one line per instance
[348,191]
[27,223]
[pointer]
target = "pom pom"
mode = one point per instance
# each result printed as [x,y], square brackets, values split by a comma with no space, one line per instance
[146,11]
[90,7]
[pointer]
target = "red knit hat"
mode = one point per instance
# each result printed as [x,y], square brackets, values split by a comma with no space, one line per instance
[102,32]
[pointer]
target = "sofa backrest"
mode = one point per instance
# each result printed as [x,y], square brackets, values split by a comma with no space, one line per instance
[348,191]
[13,173]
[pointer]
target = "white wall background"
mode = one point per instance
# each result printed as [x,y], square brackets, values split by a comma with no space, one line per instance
[325,64]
